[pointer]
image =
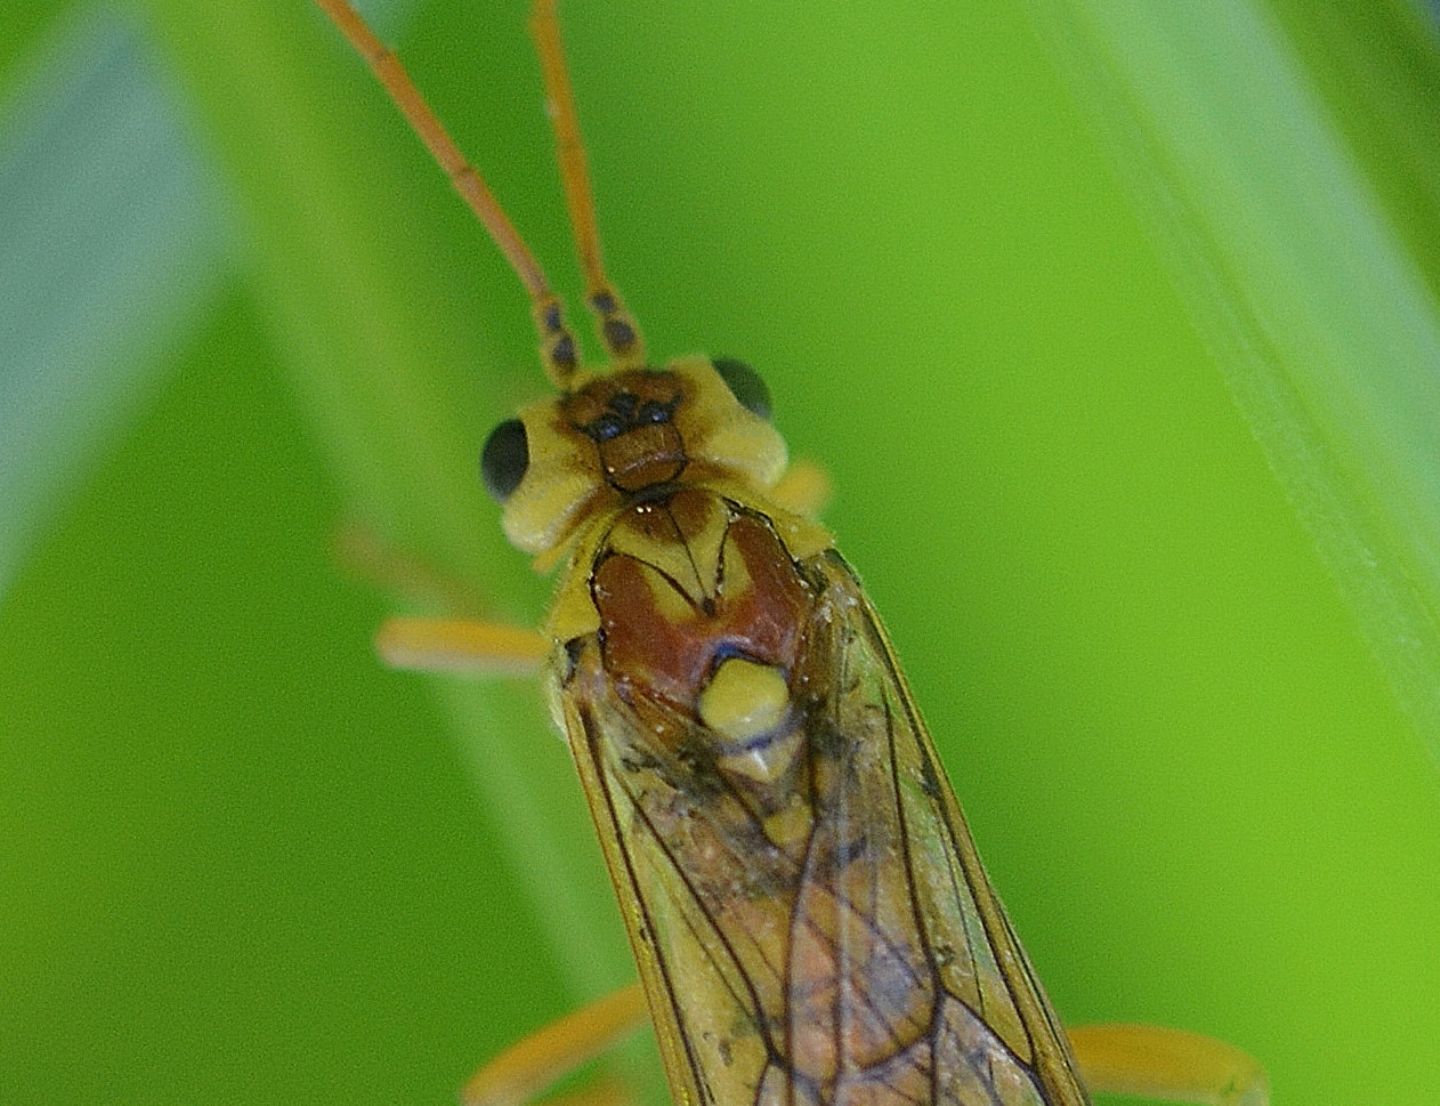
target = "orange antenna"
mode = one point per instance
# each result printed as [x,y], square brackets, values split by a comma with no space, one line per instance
[618,331]
[557,344]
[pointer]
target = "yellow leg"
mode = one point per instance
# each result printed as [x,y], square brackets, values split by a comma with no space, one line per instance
[530,1065]
[460,645]
[805,489]
[1168,1063]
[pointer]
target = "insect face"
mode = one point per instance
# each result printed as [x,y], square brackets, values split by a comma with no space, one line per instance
[635,434]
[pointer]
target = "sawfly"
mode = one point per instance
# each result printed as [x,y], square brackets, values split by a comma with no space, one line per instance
[809,915]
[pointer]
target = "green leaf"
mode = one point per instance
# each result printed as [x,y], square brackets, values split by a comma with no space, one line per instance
[1314,305]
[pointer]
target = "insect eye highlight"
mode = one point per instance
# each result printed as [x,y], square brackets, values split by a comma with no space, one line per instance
[504,459]
[745,384]
[653,411]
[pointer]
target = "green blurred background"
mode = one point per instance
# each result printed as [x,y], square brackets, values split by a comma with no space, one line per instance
[1115,324]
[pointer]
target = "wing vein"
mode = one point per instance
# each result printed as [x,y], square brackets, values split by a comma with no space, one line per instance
[603,775]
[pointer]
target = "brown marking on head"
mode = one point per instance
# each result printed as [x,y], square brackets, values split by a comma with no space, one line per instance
[630,417]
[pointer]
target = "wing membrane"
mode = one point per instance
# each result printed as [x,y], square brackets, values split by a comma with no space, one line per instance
[828,936]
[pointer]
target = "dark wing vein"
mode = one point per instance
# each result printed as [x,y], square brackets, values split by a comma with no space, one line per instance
[852,924]
[956,848]
[603,775]
[1050,1067]
[694,896]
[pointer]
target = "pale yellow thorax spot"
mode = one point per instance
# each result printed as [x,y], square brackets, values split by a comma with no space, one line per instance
[766,764]
[744,700]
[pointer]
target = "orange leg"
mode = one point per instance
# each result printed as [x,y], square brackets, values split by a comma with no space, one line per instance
[454,644]
[526,1068]
[1168,1063]
[460,645]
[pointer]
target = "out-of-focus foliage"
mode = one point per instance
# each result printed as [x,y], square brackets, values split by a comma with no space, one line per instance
[1320,315]
[1115,325]
[108,245]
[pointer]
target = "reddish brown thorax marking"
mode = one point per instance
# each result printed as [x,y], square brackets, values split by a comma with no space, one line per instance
[628,417]
[710,586]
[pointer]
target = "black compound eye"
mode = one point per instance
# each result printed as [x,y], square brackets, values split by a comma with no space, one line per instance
[746,385]
[505,458]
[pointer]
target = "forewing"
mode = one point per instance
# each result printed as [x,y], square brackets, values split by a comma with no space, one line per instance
[996,1030]
[701,1001]
[846,947]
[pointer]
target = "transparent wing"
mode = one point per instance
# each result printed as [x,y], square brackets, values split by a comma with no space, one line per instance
[824,932]
[996,1016]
